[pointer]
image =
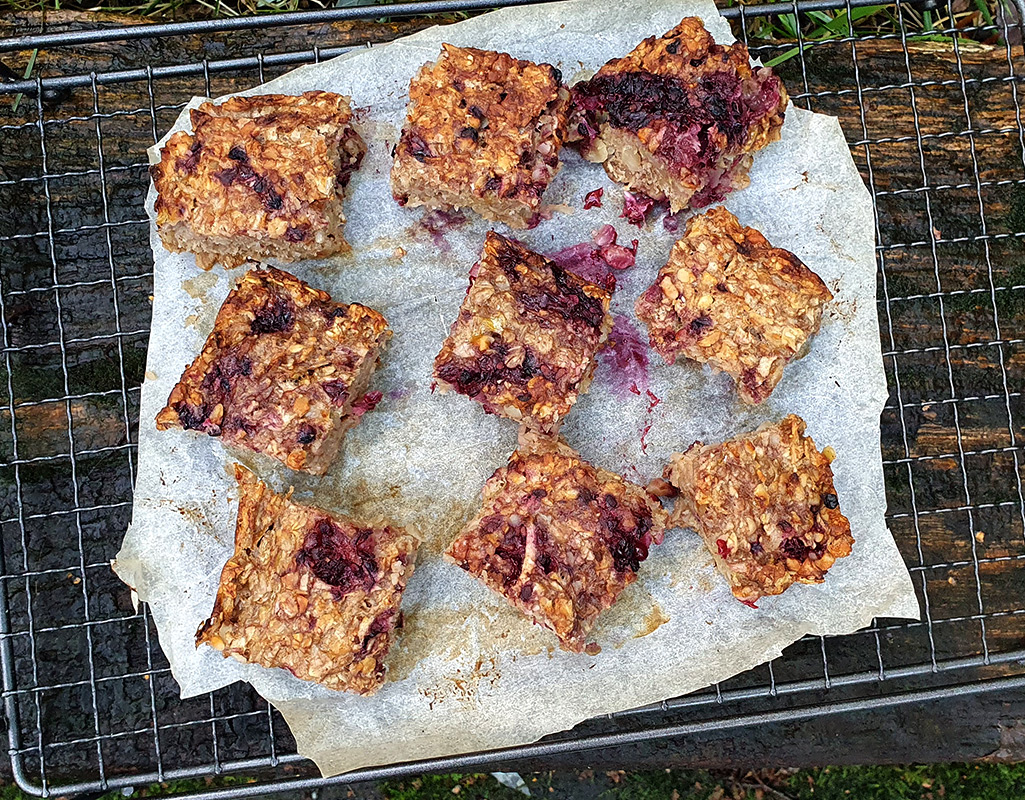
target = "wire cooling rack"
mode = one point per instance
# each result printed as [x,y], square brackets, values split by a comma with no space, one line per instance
[935,124]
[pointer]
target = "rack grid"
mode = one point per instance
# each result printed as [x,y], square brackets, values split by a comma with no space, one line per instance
[934,121]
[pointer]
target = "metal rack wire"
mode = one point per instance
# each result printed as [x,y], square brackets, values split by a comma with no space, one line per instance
[89,700]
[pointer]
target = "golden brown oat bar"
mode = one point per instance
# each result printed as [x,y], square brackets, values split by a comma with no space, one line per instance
[730,299]
[525,340]
[259,177]
[284,371]
[483,131]
[558,538]
[765,505]
[679,116]
[315,593]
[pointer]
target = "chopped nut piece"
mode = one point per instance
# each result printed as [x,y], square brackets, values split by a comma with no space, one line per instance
[679,116]
[525,340]
[730,299]
[483,131]
[765,505]
[558,538]
[315,593]
[259,177]
[284,371]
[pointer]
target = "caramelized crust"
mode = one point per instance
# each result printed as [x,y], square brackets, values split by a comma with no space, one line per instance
[679,116]
[730,299]
[525,340]
[311,592]
[558,538]
[483,131]
[284,371]
[765,506]
[259,177]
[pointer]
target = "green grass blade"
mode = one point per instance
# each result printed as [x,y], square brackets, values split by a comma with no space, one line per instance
[28,74]
[984,10]
[838,23]
[773,62]
[867,11]
[789,24]
[821,16]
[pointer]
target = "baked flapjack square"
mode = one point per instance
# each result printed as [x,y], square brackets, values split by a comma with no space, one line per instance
[728,298]
[483,132]
[315,593]
[765,505]
[285,371]
[679,117]
[525,340]
[258,177]
[558,538]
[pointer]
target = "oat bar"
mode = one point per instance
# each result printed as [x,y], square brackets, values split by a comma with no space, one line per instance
[558,538]
[483,131]
[679,117]
[284,371]
[308,591]
[730,299]
[525,340]
[765,506]
[259,177]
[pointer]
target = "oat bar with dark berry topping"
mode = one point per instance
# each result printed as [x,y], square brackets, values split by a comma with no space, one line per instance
[730,299]
[558,538]
[483,131]
[679,117]
[284,372]
[765,505]
[315,593]
[258,177]
[525,340]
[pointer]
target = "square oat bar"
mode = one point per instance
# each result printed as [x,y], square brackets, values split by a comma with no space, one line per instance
[483,131]
[525,340]
[678,117]
[558,538]
[730,299]
[259,177]
[765,506]
[284,371]
[308,591]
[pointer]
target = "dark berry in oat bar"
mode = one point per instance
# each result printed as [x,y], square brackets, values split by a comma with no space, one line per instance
[343,559]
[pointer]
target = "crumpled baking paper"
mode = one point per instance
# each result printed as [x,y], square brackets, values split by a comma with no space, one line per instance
[469,673]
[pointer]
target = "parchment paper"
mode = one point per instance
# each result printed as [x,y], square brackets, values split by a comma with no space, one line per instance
[469,673]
